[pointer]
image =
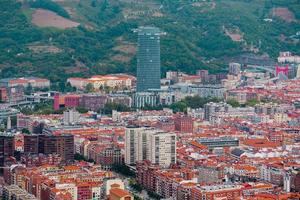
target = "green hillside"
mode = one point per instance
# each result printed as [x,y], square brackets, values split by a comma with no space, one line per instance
[200,34]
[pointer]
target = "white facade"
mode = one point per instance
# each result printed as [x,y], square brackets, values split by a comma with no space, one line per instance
[287,57]
[108,184]
[96,193]
[71,117]
[70,187]
[150,144]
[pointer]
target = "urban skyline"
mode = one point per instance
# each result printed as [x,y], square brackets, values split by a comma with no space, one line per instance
[97,102]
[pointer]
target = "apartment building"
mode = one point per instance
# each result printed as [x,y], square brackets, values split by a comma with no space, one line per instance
[142,143]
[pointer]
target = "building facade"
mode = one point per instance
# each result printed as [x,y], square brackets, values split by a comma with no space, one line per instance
[148,59]
[143,143]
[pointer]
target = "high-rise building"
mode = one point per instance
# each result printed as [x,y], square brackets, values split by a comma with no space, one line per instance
[6,147]
[142,143]
[31,144]
[60,144]
[148,59]
[71,117]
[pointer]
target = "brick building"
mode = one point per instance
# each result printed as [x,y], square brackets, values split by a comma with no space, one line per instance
[184,124]
[6,147]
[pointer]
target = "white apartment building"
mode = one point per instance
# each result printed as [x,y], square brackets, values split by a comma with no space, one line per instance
[142,143]
[71,117]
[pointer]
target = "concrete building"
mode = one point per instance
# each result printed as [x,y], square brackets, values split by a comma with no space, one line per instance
[109,184]
[100,82]
[234,68]
[184,124]
[141,99]
[60,144]
[6,112]
[223,191]
[288,57]
[143,143]
[6,147]
[148,59]
[3,94]
[31,144]
[207,90]
[71,117]
[14,192]
[219,142]
[25,82]
[210,174]
[211,108]
[93,102]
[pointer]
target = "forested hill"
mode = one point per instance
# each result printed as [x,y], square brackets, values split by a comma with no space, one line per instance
[62,38]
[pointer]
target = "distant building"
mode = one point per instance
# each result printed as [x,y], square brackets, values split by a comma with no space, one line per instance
[148,59]
[93,102]
[17,193]
[71,117]
[25,82]
[59,144]
[116,193]
[142,99]
[6,147]
[210,174]
[224,191]
[101,82]
[219,142]
[234,68]
[6,112]
[172,75]
[203,74]
[211,108]
[15,94]
[3,95]
[120,99]
[208,90]
[112,183]
[31,144]
[149,144]
[184,124]
[288,57]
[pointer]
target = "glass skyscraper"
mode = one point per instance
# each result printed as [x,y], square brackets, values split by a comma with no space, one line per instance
[148,59]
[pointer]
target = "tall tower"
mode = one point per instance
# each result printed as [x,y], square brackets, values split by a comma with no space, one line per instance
[148,59]
[8,124]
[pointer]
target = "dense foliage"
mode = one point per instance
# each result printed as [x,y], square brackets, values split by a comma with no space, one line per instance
[109,107]
[191,102]
[196,35]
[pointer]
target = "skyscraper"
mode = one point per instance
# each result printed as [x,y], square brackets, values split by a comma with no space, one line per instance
[148,59]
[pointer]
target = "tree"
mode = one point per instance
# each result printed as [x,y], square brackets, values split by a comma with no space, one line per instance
[79,157]
[89,88]
[179,107]
[123,169]
[234,103]
[81,109]
[154,195]
[149,107]
[69,88]
[29,89]
[93,3]
[252,102]
[135,186]
[137,197]
[25,131]
[109,107]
